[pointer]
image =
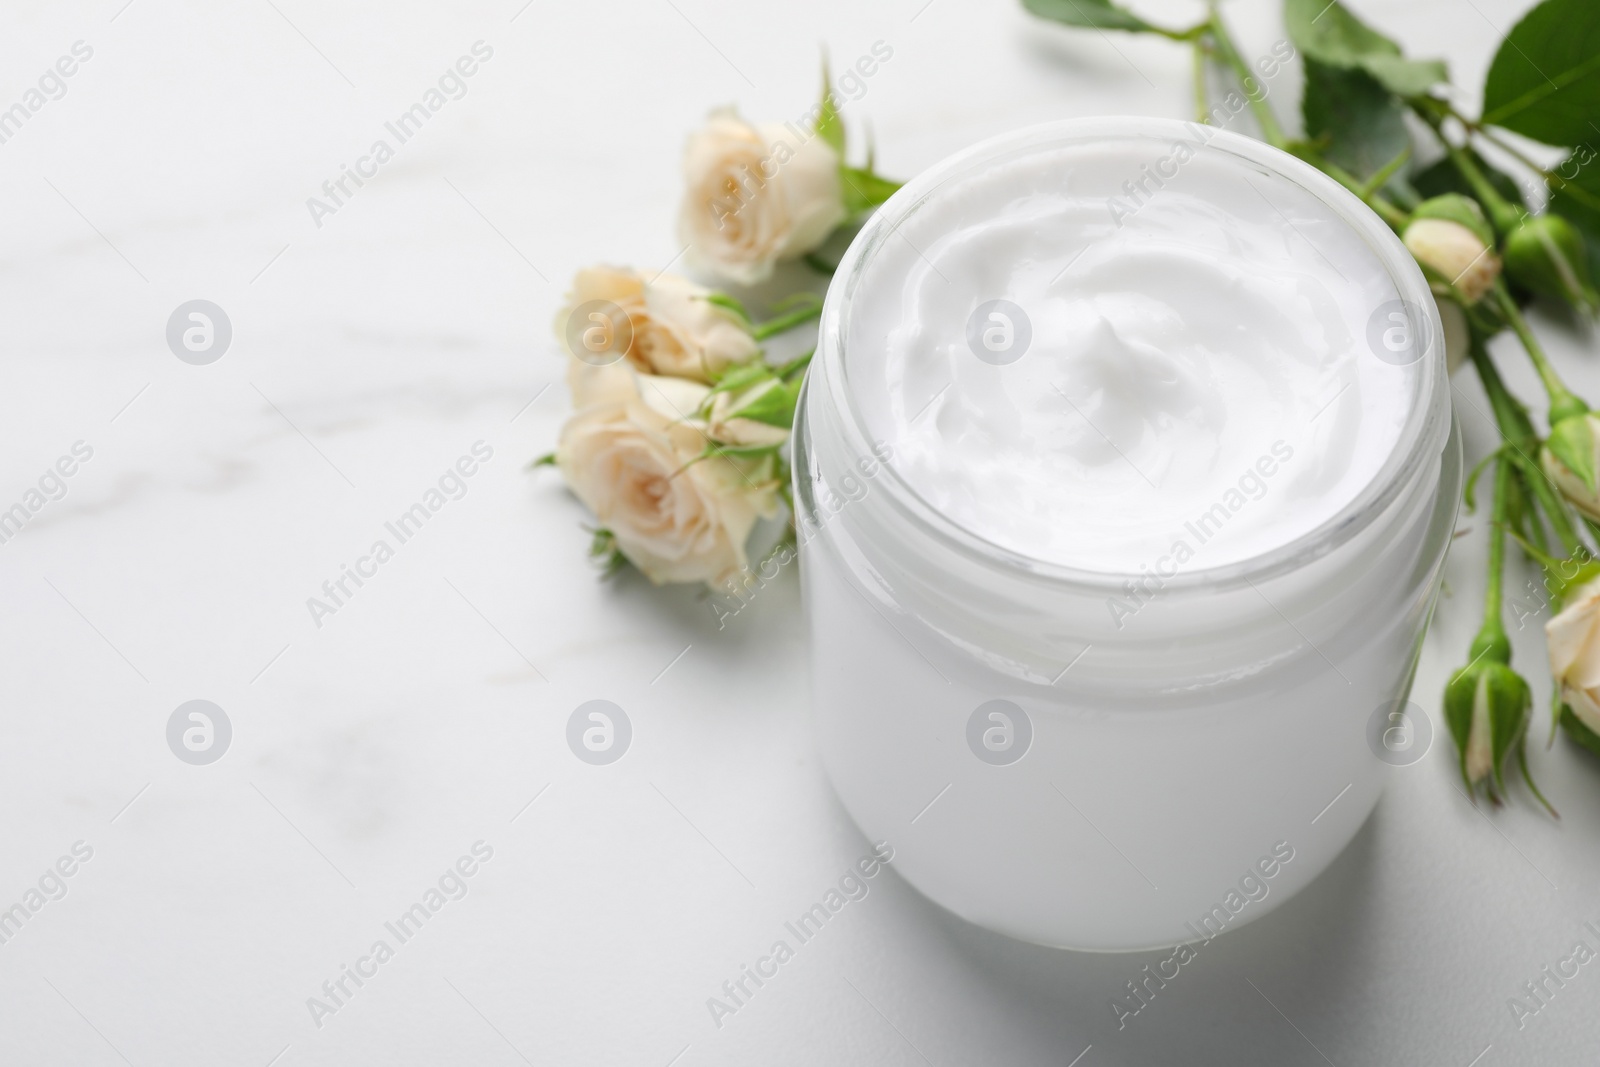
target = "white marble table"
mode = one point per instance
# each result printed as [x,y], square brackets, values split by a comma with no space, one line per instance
[427,713]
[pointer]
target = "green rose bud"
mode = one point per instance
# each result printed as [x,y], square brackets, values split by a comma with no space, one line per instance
[1486,705]
[1571,459]
[1546,254]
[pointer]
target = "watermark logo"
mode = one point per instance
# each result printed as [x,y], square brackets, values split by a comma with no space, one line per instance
[1398,332]
[999,332]
[199,332]
[599,732]
[999,732]
[1399,732]
[599,332]
[199,732]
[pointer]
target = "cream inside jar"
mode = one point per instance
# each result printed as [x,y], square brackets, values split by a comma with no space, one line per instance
[1132,355]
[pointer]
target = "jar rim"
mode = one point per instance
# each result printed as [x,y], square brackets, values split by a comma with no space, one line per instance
[1421,438]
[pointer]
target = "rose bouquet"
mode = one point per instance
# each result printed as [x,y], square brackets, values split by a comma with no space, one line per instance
[678,440]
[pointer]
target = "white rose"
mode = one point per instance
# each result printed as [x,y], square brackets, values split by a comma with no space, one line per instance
[632,453]
[756,195]
[676,329]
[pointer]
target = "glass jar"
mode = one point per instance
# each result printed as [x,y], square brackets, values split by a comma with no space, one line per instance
[1046,773]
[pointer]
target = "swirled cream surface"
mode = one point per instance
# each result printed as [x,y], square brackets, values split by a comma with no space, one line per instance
[1092,354]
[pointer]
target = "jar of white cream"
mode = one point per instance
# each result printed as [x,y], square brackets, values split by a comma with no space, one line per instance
[1124,475]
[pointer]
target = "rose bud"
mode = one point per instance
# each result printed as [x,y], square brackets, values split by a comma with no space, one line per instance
[675,327]
[1486,705]
[1545,253]
[1449,236]
[757,195]
[757,416]
[1571,459]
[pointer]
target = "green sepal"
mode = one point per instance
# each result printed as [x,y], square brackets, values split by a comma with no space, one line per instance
[829,125]
[1459,694]
[1454,207]
[730,304]
[1571,441]
[864,188]
[1533,787]
[1095,14]
[547,460]
[773,407]
[740,376]
[1578,731]
[1508,701]
[604,552]
[1330,34]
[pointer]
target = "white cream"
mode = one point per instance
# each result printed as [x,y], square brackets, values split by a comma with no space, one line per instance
[1199,369]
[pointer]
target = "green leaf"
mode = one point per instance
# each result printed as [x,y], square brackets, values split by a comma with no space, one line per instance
[829,126]
[1327,33]
[1544,82]
[1357,121]
[864,189]
[1572,442]
[1096,14]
